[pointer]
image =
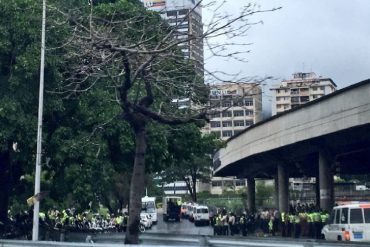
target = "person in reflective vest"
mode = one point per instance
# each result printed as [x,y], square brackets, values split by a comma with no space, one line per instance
[297,226]
[217,229]
[285,223]
[270,225]
[317,224]
[290,224]
[310,221]
[243,225]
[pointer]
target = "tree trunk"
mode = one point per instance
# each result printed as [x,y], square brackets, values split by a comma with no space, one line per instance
[194,181]
[190,189]
[136,188]
[4,185]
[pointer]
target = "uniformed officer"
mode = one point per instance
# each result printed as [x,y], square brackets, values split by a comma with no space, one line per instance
[243,224]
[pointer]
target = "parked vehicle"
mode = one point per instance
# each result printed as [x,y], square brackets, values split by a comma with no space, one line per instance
[171,208]
[201,215]
[183,210]
[149,207]
[190,211]
[349,223]
[145,220]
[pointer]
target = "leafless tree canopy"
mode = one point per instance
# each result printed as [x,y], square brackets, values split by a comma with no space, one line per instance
[137,59]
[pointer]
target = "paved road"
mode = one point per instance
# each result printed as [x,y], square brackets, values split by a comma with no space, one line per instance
[182,227]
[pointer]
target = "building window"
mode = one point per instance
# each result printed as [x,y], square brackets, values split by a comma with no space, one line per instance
[238,123]
[226,124]
[295,91]
[248,122]
[226,104]
[295,99]
[227,133]
[172,13]
[238,113]
[238,103]
[183,12]
[215,124]
[278,98]
[249,102]
[305,99]
[322,88]
[314,88]
[227,114]
[249,112]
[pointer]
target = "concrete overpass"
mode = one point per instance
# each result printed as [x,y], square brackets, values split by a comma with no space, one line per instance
[328,136]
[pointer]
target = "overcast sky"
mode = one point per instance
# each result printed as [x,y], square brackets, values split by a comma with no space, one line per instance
[328,37]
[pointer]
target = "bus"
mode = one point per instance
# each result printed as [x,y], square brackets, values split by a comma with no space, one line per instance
[148,206]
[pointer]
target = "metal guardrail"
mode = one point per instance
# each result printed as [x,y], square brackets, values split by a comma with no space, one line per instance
[106,240]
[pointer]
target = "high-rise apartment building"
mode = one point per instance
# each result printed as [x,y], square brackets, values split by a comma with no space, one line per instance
[302,88]
[186,17]
[233,107]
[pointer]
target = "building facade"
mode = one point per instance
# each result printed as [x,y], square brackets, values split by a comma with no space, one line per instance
[185,16]
[302,88]
[233,108]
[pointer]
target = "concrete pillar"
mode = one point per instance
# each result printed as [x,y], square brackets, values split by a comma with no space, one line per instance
[326,181]
[251,196]
[283,185]
[317,191]
[276,194]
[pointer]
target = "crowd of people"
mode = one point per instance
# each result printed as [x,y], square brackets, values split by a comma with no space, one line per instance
[302,220]
[20,225]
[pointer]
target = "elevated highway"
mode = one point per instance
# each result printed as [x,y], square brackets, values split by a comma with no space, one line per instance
[328,136]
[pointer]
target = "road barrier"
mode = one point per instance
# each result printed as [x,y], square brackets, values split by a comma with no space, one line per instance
[109,240]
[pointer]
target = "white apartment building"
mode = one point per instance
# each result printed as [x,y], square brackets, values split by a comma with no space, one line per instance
[233,108]
[302,88]
[186,17]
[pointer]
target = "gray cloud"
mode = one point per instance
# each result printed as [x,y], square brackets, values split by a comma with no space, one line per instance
[329,37]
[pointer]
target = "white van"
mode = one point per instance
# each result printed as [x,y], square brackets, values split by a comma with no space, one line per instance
[190,211]
[349,223]
[201,215]
[149,207]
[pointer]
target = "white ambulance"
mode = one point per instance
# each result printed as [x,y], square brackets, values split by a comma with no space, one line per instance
[349,223]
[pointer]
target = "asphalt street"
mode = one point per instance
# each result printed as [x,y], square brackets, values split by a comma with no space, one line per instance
[182,228]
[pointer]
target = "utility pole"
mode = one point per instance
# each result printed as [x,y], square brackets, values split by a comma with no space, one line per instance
[36,208]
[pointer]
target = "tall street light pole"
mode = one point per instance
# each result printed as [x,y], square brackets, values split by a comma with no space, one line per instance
[36,209]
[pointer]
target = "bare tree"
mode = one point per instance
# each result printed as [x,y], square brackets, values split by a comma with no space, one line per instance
[134,54]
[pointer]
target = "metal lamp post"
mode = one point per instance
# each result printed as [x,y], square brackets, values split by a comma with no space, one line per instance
[36,209]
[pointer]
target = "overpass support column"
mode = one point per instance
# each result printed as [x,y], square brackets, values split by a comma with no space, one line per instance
[251,196]
[276,194]
[283,187]
[317,191]
[326,183]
